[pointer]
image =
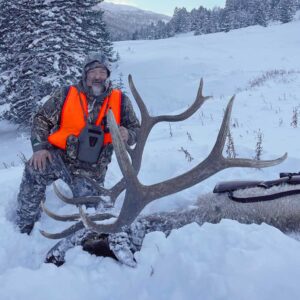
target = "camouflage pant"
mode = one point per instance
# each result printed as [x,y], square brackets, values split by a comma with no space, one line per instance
[33,187]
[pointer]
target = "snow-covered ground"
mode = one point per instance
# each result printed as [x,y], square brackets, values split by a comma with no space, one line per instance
[224,261]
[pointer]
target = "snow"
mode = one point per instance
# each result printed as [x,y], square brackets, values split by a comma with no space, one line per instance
[215,261]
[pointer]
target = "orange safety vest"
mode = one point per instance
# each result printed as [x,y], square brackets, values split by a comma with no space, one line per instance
[72,116]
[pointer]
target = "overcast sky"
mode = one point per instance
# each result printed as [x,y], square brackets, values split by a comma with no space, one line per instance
[167,6]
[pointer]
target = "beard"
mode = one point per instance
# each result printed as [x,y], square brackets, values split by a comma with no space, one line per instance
[98,87]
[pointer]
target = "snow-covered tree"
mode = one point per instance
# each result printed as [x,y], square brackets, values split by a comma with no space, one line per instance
[181,20]
[287,10]
[261,14]
[236,14]
[50,40]
[161,30]
[200,19]
[14,31]
[215,20]
[227,20]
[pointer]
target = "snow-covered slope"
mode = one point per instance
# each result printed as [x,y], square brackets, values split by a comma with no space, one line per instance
[123,20]
[223,261]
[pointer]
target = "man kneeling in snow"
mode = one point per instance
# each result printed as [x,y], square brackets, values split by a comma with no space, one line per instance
[62,131]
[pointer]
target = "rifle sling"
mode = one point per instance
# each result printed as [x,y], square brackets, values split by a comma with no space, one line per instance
[262,198]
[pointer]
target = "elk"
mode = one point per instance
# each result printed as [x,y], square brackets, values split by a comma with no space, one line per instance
[138,196]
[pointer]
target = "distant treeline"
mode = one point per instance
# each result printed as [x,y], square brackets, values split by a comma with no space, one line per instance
[235,14]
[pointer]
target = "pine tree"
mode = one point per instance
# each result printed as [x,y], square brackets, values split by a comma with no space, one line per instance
[215,20]
[151,32]
[161,31]
[181,20]
[260,15]
[275,13]
[51,40]
[286,10]
[14,31]
[227,20]
[120,83]
[201,21]
[194,19]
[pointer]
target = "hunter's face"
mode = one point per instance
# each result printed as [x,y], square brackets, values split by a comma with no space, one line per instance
[97,75]
[95,79]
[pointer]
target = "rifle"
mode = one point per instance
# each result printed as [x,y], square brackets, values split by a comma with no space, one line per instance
[285,174]
[231,186]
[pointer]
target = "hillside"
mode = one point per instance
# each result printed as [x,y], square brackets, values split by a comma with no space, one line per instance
[123,20]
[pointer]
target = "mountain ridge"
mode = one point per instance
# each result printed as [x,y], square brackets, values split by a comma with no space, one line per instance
[123,20]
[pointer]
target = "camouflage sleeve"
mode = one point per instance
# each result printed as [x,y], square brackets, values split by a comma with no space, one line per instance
[129,120]
[47,119]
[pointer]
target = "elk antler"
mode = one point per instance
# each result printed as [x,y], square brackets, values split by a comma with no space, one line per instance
[138,195]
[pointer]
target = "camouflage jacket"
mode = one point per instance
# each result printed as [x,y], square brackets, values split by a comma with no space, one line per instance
[47,120]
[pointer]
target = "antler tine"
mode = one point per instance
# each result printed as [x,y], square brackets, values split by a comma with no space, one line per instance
[77,226]
[200,99]
[120,149]
[148,122]
[237,162]
[138,98]
[221,139]
[56,217]
[89,224]
[64,233]
[252,163]
[78,200]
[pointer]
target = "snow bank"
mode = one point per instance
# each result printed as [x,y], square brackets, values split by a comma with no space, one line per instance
[225,261]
